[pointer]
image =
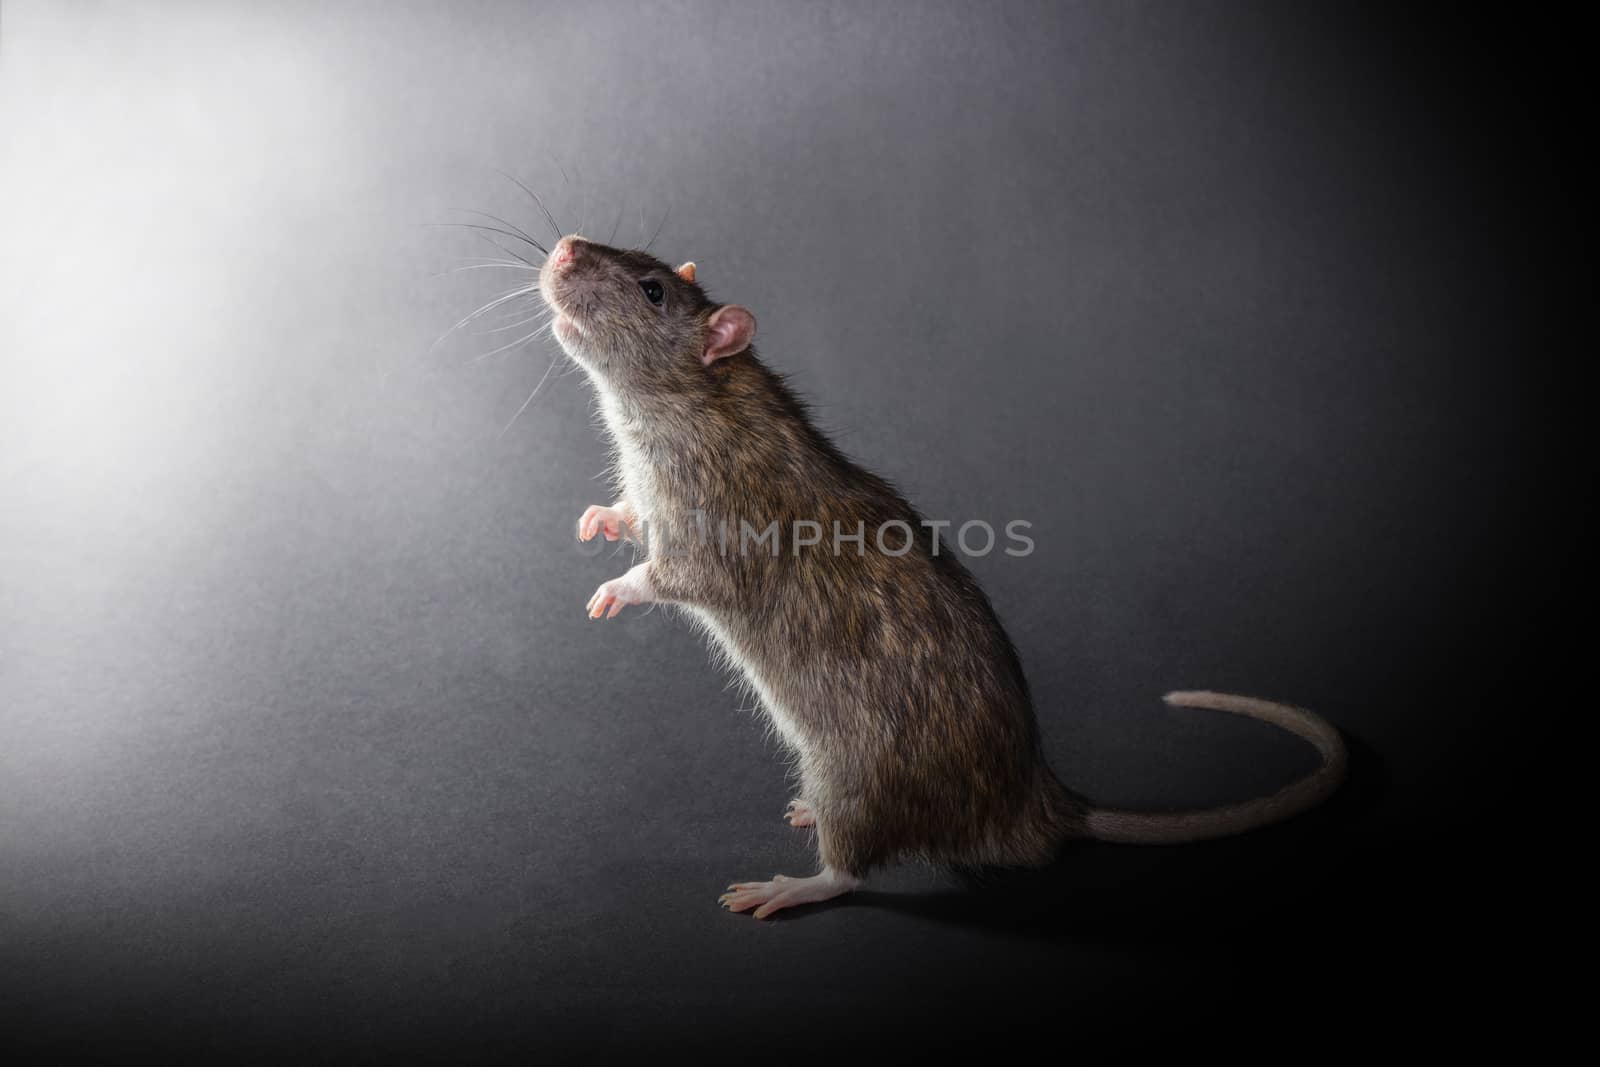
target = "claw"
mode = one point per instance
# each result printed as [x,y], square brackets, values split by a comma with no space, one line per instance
[782,892]
[598,519]
[632,588]
[799,813]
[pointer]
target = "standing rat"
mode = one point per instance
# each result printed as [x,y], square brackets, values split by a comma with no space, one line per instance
[878,659]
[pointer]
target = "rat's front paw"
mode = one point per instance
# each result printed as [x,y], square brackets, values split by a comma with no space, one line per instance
[618,593]
[800,813]
[615,521]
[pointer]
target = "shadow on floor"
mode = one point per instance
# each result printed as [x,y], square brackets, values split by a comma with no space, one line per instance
[1319,867]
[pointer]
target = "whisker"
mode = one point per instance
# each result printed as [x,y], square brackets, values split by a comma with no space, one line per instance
[529,321]
[519,257]
[518,231]
[554,225]
[494,265]
[502,348]
[533,394]
[507,314]
[527,290]
[482,229]
[665,211]
[612,237]
[507,251]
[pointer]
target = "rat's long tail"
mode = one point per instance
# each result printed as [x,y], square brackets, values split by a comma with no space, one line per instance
[1177,827]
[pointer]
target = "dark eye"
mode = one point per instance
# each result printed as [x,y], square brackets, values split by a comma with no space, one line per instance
[652,291]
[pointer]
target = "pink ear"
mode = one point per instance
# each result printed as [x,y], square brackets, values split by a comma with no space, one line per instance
[732,328]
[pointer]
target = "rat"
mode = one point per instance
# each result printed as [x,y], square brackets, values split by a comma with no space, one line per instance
[878,659]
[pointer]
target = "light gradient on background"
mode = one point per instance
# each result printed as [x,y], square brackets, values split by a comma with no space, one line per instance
[292,648]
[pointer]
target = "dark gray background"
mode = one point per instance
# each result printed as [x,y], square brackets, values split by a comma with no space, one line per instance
[304,736]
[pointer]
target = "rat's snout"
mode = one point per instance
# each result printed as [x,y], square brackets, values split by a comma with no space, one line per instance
[565,251]
[564,286]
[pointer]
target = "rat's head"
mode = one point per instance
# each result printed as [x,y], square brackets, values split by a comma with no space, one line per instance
[633,321]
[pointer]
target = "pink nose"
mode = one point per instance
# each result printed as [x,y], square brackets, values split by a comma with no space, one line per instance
[563,252]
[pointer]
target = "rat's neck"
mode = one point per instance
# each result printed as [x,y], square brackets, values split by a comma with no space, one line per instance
[663,447]
[681,449]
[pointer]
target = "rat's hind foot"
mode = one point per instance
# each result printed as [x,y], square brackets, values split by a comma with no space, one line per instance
[615,521]
[784,892]
[799,813]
